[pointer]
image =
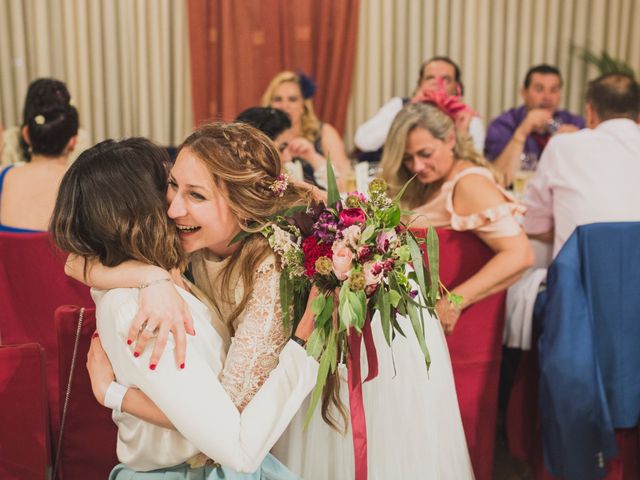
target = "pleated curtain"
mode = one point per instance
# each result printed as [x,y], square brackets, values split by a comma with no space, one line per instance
[125,62]
[493,41]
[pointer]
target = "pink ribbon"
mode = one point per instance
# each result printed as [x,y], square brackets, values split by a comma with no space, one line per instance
[356,405]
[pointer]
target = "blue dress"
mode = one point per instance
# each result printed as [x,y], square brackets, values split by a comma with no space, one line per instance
[270,469]
[7,228]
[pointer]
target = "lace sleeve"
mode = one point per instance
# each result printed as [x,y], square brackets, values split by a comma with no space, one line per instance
[258,340]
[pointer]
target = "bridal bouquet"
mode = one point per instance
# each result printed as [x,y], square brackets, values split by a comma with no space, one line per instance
[359,247]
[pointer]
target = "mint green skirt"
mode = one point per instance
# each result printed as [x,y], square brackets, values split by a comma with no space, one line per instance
[270,469]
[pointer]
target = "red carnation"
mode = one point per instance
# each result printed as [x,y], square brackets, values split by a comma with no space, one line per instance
[312,251]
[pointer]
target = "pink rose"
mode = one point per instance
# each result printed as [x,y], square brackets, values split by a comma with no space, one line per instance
[386,241]
[342,258]
[351,216]
[372,273]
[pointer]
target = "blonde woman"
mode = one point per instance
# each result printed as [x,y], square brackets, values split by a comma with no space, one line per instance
[313,140]
[454,188]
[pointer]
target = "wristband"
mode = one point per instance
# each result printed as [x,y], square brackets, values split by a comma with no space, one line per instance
[153,282]
[298,340]
[114,395]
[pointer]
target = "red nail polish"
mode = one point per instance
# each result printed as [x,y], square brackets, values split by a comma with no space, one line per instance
[136,354]
[152,366]
[95,335]
[182,366]
[129,341]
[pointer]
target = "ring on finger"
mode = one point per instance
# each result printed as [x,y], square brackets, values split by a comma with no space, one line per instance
[151,331]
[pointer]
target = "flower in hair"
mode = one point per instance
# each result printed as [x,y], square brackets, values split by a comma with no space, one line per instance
[39,119]
[307,86]
[452,105]
[279,185]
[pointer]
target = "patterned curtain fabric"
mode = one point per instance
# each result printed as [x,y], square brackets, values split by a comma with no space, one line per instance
[237,46]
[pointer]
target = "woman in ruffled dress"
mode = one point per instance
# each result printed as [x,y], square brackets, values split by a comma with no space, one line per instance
[455,188]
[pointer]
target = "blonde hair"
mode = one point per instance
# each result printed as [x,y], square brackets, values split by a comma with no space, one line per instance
[309,124]
[243,163]
[438,124]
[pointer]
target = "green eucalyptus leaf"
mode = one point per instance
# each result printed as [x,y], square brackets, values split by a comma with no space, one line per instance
[392,216]
[394,298]
[318,305]
[367,233]
[433,257]
[384,306]
[323,373]
[315,343]
[333,195]
[418,329]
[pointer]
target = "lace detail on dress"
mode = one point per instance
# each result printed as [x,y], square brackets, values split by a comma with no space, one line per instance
[258,339]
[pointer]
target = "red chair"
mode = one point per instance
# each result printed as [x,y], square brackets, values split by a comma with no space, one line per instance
[475,346]
[88,443]
[32,286]
[24,423]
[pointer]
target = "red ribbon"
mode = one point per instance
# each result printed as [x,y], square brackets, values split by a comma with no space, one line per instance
[356,405]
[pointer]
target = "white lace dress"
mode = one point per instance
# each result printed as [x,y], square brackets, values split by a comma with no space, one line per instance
[413,422]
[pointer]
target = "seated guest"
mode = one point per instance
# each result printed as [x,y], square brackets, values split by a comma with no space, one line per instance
[454,188]
[28,191]
[276,124]
[592,175]
[435,72]
[517,137]
[42,93]
[312,139]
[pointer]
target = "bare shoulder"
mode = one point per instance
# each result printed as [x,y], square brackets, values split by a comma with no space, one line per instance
[475,193]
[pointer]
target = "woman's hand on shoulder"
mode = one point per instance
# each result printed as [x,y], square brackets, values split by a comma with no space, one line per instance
[161,310]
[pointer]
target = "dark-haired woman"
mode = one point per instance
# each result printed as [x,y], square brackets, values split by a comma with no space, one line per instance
[42,94]
[112,208]
[28,190]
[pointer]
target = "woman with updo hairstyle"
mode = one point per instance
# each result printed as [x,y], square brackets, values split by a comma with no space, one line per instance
[43,93]
[28,190]
[313,140]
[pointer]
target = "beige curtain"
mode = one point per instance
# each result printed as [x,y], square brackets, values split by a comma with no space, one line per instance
[125,62]
[493,41]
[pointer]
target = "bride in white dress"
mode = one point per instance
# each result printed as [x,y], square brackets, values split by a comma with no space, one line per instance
[414,430]
[413,422]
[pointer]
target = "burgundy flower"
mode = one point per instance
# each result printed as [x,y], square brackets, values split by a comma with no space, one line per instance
[312,251]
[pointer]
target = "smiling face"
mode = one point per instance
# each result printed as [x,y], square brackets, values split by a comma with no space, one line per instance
[199,208]
[427,157]
[288,97]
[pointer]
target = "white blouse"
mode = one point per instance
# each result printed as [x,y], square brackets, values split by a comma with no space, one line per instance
[193,399]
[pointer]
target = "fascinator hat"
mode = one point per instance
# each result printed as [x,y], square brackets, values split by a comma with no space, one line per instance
[307,85]
[452,105]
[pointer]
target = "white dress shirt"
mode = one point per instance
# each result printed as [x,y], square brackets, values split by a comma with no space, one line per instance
[372,134]
[589,176]
[193,399]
